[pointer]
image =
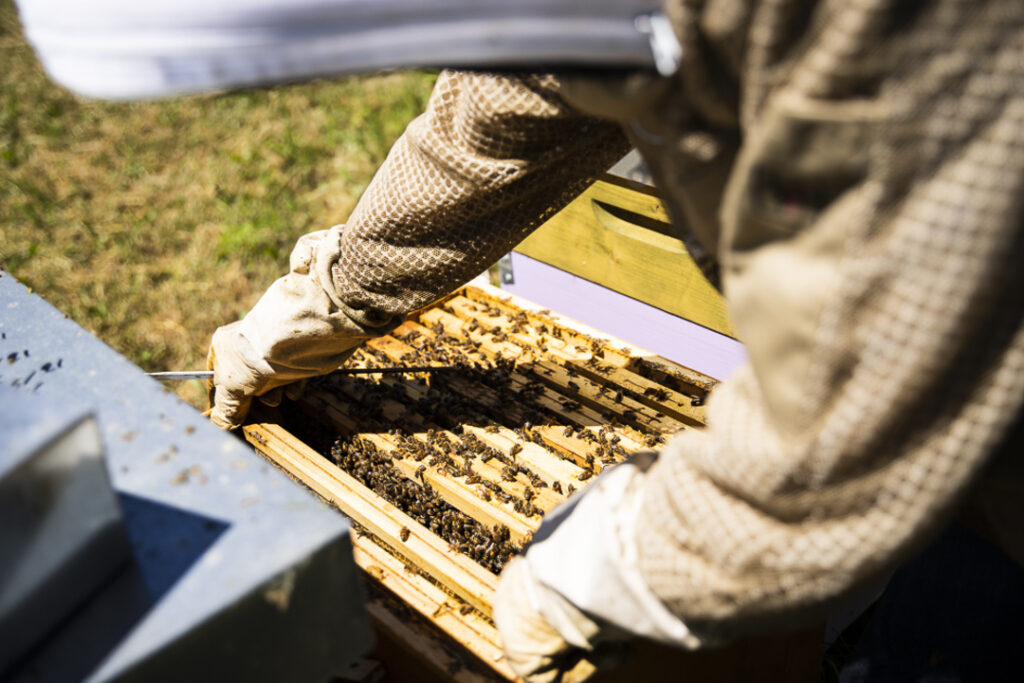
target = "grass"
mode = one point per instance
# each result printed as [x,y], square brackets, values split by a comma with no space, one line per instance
[151,224]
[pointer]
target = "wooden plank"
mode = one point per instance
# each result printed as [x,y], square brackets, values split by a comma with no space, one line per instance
[576,449]
[458,573]
[589,387]
[637,197]
[598,392]
[586,452]
[616,352]
[545,464]
[517,486]
[456,491]
[438,320]
[501,439]
[581,417]
[485,396]
[581,414]
[688,410]
[466,627]
[609,235]
[458,495]
[549,338]
[649,393]
[691,379]
[427,648]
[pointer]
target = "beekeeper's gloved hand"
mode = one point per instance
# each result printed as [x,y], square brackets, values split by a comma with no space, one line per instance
[576,596]
[294,332]
[537,650]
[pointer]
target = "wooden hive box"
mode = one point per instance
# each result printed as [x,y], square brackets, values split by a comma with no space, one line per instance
[447,473]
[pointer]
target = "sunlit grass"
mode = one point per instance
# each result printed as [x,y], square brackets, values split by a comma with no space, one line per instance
[153,223]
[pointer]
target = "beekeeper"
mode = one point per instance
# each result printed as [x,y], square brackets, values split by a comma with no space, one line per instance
[856,169]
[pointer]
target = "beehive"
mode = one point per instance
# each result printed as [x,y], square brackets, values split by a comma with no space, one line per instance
[447,473]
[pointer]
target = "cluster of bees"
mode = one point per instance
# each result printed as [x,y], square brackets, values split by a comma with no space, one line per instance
[607,444]
[455,458]
[491,547]
[431,431]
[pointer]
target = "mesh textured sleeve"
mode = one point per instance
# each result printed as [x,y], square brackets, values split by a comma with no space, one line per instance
[873,260]
[492,158]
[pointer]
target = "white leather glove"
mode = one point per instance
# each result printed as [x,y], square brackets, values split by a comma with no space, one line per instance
[577,592]
[534,648]
[295,331]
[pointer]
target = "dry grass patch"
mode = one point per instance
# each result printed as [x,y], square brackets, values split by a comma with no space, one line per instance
[153,223]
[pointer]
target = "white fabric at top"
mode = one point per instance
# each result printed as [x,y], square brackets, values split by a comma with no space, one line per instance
[117,49]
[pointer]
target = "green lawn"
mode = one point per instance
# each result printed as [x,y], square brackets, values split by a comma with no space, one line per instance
[153,223]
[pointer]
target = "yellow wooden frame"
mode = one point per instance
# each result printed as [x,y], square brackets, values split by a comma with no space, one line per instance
[619,235]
